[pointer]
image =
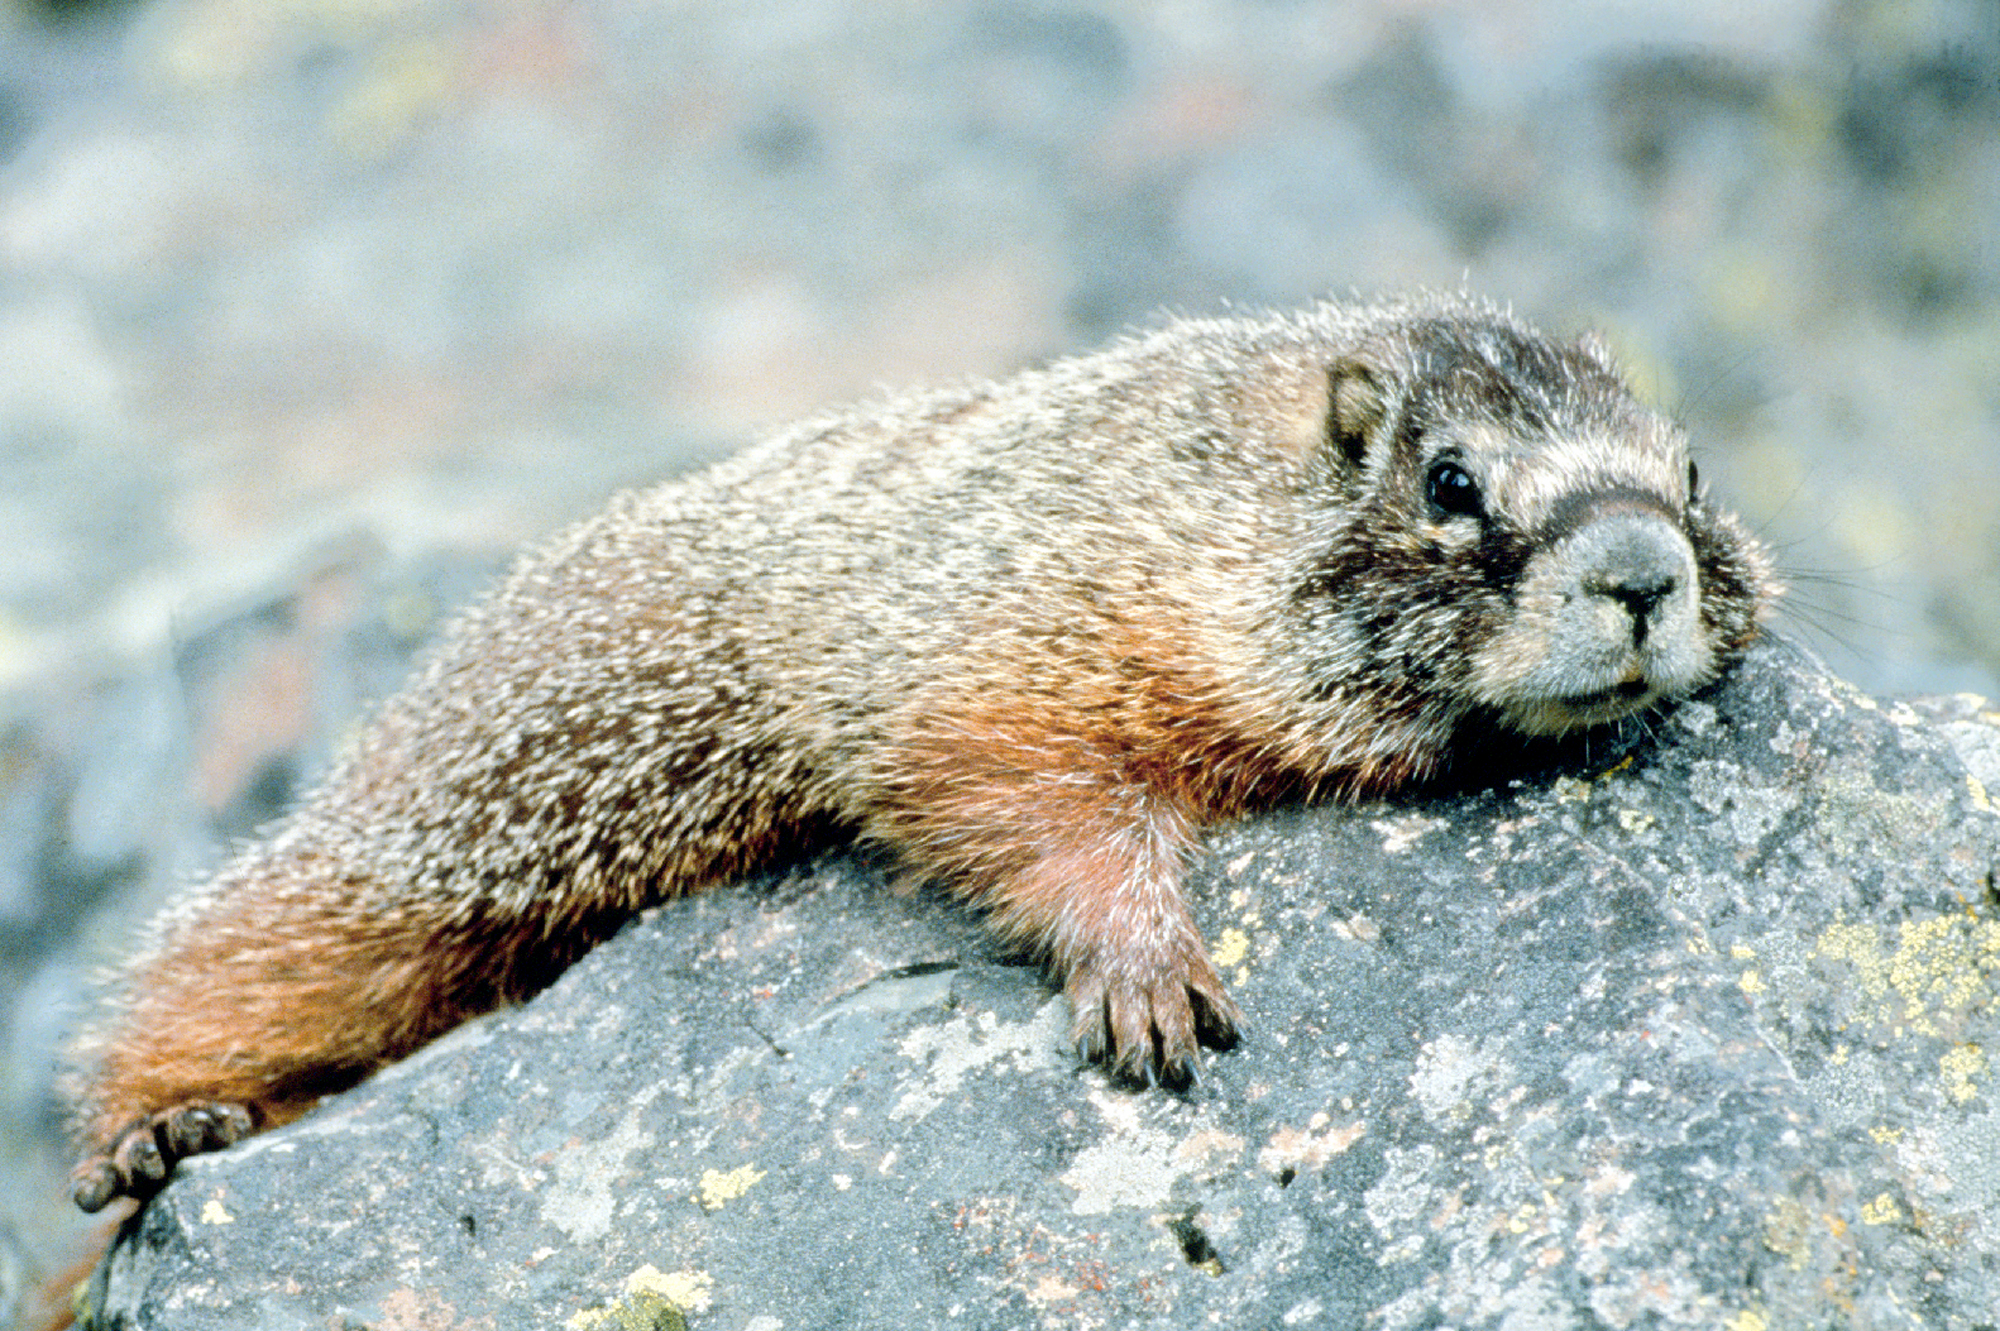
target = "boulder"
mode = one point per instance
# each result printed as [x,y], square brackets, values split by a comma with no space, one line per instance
[1687,1027]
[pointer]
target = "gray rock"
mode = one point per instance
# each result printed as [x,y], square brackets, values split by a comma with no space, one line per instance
[1685,1031]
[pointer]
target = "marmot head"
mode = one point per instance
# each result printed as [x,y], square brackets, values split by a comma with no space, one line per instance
[1513,533]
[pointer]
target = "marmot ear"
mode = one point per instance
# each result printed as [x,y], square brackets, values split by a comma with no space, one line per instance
[1356,405]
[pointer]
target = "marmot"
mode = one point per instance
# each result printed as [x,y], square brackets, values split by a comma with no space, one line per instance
[1033,636]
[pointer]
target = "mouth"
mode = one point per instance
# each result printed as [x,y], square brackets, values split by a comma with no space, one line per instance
[1567,702]
[1568,712]
[1628,694]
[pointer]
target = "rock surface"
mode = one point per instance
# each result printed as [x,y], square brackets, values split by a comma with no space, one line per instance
[279,277]
[1688,1032]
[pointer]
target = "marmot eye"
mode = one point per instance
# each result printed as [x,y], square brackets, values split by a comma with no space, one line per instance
[1451,491]
[1694,479]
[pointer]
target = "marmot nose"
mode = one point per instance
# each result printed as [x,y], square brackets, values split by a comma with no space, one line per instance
[1640,595]
[1637,561]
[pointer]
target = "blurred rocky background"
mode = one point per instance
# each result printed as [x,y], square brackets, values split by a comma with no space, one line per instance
[311,309]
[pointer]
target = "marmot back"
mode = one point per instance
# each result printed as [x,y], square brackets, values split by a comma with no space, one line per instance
[1032,636]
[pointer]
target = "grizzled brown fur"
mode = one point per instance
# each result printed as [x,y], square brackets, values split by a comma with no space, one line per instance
[1034,636]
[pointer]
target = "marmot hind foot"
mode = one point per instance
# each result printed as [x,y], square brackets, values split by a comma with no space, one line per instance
[139,1157]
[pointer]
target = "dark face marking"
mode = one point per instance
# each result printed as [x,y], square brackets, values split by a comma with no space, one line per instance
[1573,511]
[1503,557]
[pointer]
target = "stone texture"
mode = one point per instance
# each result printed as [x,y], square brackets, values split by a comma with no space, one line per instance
[279,277]
[1687,1030]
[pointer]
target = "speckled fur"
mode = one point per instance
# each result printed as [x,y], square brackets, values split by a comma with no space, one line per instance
[1033,636]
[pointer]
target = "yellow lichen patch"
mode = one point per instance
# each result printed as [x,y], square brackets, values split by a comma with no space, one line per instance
[1881,1211]
[1940,967]
[634,1312]
[1941,960]
[1886,1136]
[654,1300]
[1960,1065]
[1980,800]
[1747,1320]
[1634,821]
[213,1212]
[1231,947]
[718,1188]
[1861,947]
[1750,982]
